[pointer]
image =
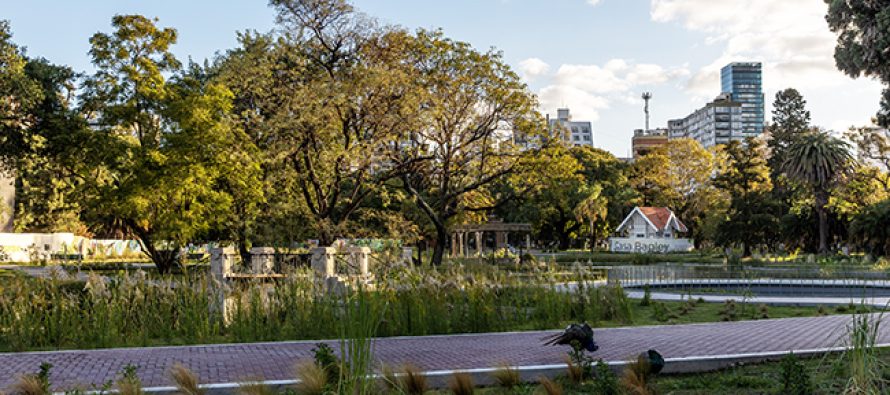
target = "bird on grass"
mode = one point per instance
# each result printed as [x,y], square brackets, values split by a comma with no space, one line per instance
[580,333]
[653,360]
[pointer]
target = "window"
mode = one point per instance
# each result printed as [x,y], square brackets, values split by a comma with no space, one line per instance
[575,137]
[586,137]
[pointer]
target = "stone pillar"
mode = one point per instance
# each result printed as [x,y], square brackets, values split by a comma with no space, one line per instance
[262,260]
[454,244]
[323,261]
[460,244]
[407,255]
[528,241]
[500,239]
[358,257]
[478,243]
[221,261]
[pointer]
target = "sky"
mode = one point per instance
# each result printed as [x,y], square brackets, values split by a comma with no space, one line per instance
[594,57]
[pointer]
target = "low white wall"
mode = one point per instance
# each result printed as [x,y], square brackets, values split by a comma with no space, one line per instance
[23,247]
[648,245]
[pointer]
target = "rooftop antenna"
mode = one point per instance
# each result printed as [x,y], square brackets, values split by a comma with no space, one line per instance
[646,97]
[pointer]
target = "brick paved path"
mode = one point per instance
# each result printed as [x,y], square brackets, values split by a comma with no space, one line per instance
[275,361]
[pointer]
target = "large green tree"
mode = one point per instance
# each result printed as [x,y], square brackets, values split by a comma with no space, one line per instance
[38,135]
[818,161]
[159,145]
[678,175]
[863,37]
[336,96]
[791,119]
[753,215]
[461,148]
[593,211]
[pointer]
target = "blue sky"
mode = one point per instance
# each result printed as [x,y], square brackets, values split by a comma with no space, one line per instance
[593,56]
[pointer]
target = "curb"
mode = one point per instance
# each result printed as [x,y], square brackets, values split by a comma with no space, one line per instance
[438,379]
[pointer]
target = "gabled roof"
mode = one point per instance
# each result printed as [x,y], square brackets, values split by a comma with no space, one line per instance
[659,217]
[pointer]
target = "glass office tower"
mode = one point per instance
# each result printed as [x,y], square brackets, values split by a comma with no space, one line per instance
[743,82]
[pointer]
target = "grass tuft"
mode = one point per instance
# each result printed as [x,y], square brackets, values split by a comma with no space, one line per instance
[575,371]
[506,376]
[28,385]
[413,381]
[255,388]
[550,387]
[635,378]
[461,383]
[313,379]
[186,381]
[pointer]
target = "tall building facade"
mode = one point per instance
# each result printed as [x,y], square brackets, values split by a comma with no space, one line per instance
[743,81]
[571,132]
[644,142]
[718,122]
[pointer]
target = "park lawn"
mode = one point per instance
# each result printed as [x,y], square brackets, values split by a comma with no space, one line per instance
[828,373]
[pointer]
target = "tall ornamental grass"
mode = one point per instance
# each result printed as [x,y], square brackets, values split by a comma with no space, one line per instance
[132,310]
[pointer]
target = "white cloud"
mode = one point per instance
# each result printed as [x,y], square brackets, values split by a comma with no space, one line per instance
[593,2]
[588,88]
[790,37]
[532,68]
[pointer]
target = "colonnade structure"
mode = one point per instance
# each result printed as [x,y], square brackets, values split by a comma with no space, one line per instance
[464,235]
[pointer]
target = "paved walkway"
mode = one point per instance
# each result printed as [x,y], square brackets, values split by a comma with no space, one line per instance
[275,361]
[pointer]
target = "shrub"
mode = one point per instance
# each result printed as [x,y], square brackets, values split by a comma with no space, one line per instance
[327,361]
[647,296]
[729,313]
[129,383]
[795,379]
[869,228]
[606,382]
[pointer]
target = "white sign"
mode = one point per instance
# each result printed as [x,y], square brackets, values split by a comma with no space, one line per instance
[648,246]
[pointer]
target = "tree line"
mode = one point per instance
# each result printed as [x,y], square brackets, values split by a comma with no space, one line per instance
[337,125]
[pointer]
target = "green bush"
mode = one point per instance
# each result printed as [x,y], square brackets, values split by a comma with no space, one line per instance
[606,383]
[795,378]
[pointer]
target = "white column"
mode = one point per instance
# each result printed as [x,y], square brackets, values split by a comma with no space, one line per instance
[262,260]
[359,257]
[323,261]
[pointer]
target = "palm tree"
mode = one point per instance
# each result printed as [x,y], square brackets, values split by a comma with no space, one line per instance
[817,160]
[594,207]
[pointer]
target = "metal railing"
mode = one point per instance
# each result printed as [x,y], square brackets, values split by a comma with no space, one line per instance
[783,280]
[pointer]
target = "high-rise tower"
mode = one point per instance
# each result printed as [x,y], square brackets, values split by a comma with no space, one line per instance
[743,81]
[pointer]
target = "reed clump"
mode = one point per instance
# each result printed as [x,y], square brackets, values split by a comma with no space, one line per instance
[124,311]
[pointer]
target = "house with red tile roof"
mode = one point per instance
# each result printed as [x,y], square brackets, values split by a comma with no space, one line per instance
[650,229]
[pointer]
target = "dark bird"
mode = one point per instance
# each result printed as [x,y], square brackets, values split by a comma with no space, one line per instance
[654,360]
[582,333]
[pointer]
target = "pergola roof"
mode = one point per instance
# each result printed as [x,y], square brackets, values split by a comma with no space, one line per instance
[493,227]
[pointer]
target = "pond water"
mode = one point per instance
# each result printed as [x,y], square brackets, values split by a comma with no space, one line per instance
[814,290]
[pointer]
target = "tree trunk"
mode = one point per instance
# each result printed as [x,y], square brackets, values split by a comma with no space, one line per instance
[439,250]
[244,252]
[821,202]
[592,238]
[164,260]
[746,249]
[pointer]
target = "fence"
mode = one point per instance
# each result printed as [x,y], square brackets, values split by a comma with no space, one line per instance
[782,280]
